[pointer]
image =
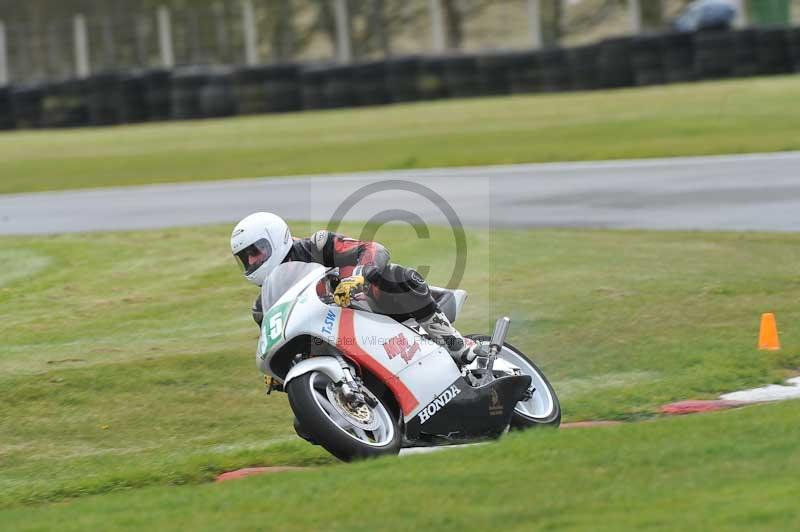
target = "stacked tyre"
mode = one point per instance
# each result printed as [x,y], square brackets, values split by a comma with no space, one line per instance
[186,92]
[716,54]
[312,83]
[268,89]
[793,45]
[614,64]
[677,57]
[218,94]
[495,73]
[461,76]
[105,99]
[431,83]
[554,70]
[401,78]
[133,96]
[526,72]
[6,115]
[26,106]
[338,87]
[369,83]
[745,47]
[772,50]
[158,94]
[583,67]
[647,60]
[65,104]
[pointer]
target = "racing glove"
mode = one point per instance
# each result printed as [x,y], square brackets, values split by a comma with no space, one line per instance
[347,288]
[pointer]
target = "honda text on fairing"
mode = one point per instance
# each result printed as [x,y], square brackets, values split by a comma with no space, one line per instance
[362,384]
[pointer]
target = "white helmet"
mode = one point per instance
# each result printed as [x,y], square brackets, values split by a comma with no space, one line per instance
[260,242]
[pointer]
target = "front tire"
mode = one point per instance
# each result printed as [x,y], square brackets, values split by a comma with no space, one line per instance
[346,434]
[543,409]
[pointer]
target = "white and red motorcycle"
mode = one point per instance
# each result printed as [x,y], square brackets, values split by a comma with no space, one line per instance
[362,384]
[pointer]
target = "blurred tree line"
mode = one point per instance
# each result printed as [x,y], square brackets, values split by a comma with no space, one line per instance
[123,33]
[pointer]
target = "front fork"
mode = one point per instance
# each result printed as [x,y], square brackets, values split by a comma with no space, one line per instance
[351,388]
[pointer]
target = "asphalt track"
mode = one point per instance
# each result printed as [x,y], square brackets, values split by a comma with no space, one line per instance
[757,192]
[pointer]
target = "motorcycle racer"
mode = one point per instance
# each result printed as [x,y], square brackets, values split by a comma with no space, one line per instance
[262,241]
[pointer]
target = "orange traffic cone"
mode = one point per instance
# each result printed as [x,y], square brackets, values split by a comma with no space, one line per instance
[768,337]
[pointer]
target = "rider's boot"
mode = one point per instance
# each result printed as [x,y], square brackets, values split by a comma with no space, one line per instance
[463,350]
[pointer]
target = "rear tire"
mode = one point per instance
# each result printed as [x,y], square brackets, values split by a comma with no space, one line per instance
[522,419]
[307,396]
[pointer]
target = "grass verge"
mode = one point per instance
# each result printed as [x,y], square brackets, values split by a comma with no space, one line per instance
[696,119]
[727,471]
[127,358]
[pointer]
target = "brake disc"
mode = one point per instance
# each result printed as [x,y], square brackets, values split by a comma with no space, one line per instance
[361,416]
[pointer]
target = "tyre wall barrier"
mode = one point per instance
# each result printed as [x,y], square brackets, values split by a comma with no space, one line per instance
[401,78]
[105,99]
[370,86]
[462,78]
[793,45]
[209,91]
[494,71]
[678,56]
[268,89]
[6,110]
[582,62]
[66,104]
[614,63]
[647,59]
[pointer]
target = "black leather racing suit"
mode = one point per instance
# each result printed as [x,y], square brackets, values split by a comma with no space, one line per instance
[392,289]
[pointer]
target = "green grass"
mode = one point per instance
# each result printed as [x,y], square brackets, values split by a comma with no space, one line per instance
[127,359]
[755,115]
[734,470]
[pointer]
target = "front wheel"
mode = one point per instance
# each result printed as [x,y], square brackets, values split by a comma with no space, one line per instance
[543,408]
[347,432]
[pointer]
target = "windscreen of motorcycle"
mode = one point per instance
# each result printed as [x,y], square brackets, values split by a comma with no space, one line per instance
[283,278]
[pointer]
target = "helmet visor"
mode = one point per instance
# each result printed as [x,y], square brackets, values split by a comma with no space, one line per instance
[254,256]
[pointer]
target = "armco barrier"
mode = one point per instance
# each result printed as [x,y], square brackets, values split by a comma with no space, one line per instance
[204,92]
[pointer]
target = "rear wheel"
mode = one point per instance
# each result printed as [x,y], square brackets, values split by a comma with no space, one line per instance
[543,408]
[347,432]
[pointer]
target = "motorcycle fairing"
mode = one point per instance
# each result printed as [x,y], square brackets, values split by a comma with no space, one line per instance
[470,412]
[415,369]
